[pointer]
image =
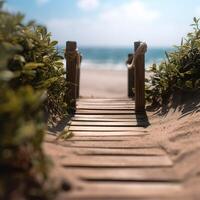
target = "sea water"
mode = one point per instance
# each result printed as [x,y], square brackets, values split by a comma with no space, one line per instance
[115,57]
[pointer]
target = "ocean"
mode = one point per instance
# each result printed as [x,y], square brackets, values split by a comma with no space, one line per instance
[115,57]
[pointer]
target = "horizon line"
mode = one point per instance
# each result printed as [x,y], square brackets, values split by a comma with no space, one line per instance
[117,46]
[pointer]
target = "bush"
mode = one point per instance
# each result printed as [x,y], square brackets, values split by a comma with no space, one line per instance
[37,61]
[31,79]
[180,72]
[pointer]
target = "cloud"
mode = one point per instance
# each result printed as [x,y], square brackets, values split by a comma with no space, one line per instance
[120,25]
[42,2]
[88,5]
[133,11]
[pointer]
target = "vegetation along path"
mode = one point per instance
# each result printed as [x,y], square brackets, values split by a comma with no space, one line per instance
[108,156]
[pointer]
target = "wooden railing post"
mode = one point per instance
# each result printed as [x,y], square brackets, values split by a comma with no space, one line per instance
[71,73]
[139,81]
[79,59]
[131,72]
[130,77]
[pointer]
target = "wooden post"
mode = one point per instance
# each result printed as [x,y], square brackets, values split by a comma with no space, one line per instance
[130,77]
[71,73]
[139,81]
[136,45]
[131,72]
[79,58]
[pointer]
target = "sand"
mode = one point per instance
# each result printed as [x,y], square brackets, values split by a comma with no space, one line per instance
[103,83]
[176,127]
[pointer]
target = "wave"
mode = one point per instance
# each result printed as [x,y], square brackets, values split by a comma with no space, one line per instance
[90,64]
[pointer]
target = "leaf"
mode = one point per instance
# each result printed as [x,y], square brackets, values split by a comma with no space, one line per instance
[47,83]
[53,43]
[29,74]
[58,64]
[46,59]
[6,75]
[66,134]
[19,58]
[32,65]
[189,84]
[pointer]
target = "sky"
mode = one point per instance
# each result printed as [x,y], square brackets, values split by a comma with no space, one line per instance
[160,23]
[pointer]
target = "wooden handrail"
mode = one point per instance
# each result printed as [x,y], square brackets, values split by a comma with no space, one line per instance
[141,50]
[136,65]
[73,61]
[130,76]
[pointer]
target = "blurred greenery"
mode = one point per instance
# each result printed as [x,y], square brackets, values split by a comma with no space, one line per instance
[32,84]
[179,72]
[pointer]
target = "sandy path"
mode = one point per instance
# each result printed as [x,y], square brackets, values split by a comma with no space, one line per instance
[103,83]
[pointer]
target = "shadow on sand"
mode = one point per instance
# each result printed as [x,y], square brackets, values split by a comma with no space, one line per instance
[185,102]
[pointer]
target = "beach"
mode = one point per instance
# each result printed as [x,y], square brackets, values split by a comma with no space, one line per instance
[100,100]
[102,83]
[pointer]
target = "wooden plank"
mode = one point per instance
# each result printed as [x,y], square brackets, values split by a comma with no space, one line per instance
[65,151]
[109,124]
[102,129]
[113,112]
[104,100]
[108,134]
[109,145]
[96,139]
[121,152]
[134,174]
[111,116]
[105,103]
[115,161]
[125,107]
[126,191]
[103,138]
[89,119]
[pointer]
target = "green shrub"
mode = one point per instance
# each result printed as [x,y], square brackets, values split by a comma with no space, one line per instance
[180,72]
[31,79]
[37,61]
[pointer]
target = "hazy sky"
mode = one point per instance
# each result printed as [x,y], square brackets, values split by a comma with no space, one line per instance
[112,22]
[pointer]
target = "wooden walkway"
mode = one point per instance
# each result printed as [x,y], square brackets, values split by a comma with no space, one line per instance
[109,156]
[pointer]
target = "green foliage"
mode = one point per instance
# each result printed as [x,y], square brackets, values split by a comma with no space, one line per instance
[36,62]
[31,79]
[180,71]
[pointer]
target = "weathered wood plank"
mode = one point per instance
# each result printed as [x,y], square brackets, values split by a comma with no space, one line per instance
[96,139]
[111,116]
[113,112]
[125,107]
[109,124]
[115,161]
[65,151]
[102,129]
[134,174]
[108,134]
[89,119]
[105,103]
[110,145]
[126,191]
[104,99]
[121,152]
